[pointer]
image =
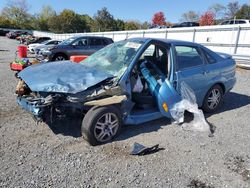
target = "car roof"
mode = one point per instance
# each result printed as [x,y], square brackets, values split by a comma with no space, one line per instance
[168,41]
[87,36]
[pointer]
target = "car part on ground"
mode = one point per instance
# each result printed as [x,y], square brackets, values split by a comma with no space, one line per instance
[139,149]
[101,88]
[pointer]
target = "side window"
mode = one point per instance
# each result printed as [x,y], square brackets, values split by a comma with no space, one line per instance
[80,42]
[95,42]
[148,52]
[209,58]
[187,57]
[51,42]
[241,22]
[159,56]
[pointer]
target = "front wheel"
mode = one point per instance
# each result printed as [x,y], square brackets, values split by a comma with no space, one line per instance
[60,57]
[213,99]
[101,124]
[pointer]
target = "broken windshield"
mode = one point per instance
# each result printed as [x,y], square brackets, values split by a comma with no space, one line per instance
[113,59]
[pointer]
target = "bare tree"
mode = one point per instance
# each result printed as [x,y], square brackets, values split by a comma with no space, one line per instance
[232,9]
[218,10]
[190,16]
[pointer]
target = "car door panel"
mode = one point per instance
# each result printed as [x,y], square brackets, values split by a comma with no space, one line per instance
[191,70]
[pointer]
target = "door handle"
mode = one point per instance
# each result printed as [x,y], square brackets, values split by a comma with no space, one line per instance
[205,72]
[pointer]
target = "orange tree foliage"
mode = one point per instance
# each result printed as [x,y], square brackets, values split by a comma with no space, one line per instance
[207,18]
[159,19]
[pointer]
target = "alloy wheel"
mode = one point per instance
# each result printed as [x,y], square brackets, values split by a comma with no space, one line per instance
[60,58]
[214,98]
[106,127]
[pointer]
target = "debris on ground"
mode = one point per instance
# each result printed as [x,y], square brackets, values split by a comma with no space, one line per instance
[188,103]
[239,165]
[139,149]
[198,184]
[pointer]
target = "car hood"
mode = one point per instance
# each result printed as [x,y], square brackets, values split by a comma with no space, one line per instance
[61,77]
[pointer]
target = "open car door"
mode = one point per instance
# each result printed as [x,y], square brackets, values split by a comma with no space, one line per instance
[160,87]
[167,97]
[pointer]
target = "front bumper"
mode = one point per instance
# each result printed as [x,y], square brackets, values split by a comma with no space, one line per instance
[29,106]
[47,55]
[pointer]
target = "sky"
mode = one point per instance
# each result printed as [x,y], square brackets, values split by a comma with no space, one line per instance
[141,10]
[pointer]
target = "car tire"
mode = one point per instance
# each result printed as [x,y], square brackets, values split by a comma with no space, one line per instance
[60,57]
[213,99]
[101,124]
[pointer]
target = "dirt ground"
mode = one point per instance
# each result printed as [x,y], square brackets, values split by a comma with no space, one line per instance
[38,155]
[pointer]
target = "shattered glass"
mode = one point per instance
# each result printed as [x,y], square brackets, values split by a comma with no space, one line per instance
[188,103]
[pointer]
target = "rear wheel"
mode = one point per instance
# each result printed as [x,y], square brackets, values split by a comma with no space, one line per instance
[213,99]
[101,124]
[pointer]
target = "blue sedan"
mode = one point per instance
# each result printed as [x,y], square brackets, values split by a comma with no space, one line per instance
[128,82]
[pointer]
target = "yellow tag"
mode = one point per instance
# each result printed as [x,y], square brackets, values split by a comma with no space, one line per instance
[165,106]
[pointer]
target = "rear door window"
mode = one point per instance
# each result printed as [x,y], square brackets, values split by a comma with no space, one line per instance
[188,57]
[95,42]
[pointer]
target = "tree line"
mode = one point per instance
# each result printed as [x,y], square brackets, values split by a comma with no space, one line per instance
[16,15]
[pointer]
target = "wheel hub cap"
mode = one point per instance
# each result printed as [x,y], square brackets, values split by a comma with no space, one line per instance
[214,98]
[106,127]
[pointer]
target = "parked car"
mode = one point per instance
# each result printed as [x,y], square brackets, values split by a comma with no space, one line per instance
[85,45]
[37,46]
[186,24]
[3,32]
[15,34]
[235,21]
[104,87]
[36,40]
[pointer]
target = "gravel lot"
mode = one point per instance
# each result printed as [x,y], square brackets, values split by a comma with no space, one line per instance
[36,155]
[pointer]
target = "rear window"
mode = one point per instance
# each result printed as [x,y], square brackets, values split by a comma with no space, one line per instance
[241,22]
[209,58]
[187,57]
[107,41]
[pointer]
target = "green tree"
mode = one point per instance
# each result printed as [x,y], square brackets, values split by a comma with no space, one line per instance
[6,23]
[145,25]
[16,11]
[89,22]
[40,21]
[120,25]
[190,16]
[244,12]
[67,22]
[54,24]
[132,25]
[104,21]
